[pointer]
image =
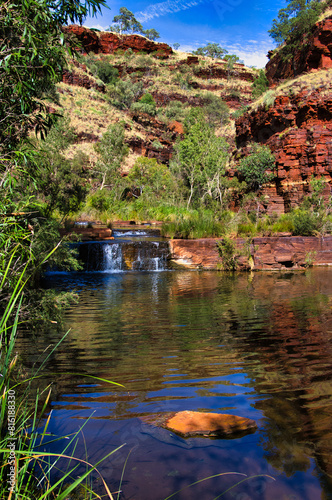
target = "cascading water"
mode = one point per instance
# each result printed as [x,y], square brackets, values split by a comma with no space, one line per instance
[129,251]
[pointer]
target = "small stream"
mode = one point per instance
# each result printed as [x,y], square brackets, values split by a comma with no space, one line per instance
[258,345]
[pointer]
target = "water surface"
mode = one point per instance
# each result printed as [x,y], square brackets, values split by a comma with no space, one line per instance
[255,345]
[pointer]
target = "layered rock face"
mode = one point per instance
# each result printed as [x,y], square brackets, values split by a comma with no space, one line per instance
[298,130]
[298,125]
[316,53]
[108,43]
[266,253]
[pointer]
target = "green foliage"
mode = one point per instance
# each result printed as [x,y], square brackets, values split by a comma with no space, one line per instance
[151,34]
[100,200]
[31,38]
[151,179]
[228,254]
[146,104]
[213,50]
[194,224]
[256,166]
[176,110]
[201,158]
[112,150]
[305,223]
[106,73]
[216,110]
[232,58]
[176,45]
[126,22]
[141,107]
[124,93]
[295,20]
[260,84]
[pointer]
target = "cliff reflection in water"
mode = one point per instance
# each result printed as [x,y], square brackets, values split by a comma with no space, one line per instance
[256,345]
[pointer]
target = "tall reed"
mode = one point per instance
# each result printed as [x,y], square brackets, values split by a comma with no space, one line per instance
[26,472]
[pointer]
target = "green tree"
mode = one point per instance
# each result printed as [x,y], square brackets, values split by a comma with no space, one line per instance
[176,45]
[257,167]
[201,159]
[293,23]
[32,59]
[213,50]
[215,110]
[151,34]
[126,22]
[33,56]
[260,84]
[112,150]
[151,179]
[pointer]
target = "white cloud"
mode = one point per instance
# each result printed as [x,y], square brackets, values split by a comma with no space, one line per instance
[164,8]
[253,57]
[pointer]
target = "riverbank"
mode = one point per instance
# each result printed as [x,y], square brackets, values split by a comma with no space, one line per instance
[261,253]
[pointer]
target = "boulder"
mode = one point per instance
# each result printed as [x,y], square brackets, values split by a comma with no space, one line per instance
[198,424]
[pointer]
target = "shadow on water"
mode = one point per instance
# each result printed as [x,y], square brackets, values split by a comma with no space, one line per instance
[253,345]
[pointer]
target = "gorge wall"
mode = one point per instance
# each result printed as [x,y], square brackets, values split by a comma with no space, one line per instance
[295,120]
[315,52]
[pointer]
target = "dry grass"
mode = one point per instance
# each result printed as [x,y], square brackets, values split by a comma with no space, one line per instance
[91,113]
[309,82]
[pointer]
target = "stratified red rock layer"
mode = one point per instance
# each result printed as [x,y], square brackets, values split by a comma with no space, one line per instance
[108,43]
[155,130]
[316,53]
[266,253]
[298,130]
[73,78]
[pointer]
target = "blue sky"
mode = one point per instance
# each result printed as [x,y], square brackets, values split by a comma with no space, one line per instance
[240,26]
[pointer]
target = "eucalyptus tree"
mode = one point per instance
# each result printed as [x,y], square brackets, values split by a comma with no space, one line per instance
[201,159]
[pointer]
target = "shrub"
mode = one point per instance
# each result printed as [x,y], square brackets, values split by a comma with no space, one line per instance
[175,110]
[260,85]
[124,93]
[305,223]
[254,167]
[106,73]
[227,252]
[141,107]
[100,200]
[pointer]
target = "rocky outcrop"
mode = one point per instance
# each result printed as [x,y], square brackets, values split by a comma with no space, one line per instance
[298,130]
[266,253]
[81,80]
[156,132]
[198,424]
[315,52]
[107,42]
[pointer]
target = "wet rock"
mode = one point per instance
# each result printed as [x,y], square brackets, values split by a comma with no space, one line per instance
[193,423]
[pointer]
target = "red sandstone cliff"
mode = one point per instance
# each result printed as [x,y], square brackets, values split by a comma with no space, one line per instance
[316,53]
[298,130]
[107,43]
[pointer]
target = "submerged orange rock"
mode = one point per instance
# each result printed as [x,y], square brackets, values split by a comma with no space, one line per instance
[193,423]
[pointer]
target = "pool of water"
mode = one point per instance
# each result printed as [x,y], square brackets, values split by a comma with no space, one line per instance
[255,345]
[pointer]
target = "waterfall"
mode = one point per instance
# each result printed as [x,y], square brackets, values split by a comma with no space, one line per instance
[124,254]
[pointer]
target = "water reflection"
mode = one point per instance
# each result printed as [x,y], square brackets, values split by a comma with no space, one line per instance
[254,345]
